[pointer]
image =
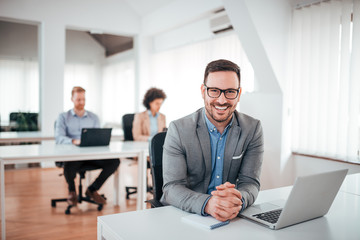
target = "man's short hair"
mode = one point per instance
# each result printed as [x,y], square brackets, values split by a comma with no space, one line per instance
[77,89]
[221,65]
[151,95]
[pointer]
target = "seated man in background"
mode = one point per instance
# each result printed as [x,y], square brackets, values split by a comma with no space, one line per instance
[68,131]
[212,158]
[146,124]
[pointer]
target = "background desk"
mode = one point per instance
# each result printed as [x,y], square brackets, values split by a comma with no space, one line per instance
[49,151]
[341,222]
[34,137]
[24,137]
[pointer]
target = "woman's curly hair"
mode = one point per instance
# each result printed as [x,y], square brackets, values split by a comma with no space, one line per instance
[151,95]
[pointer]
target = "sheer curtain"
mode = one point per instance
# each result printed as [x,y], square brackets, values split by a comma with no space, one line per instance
[19,87]
[179,72]
[325,81]
[86,76]
[118,91]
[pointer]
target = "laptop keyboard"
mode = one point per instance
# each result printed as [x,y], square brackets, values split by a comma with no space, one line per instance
[271,216]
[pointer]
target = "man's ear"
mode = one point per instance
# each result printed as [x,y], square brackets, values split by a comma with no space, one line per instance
[240,90]
[203,89]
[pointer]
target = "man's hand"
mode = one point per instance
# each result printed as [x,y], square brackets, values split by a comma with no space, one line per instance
[76,141]
[225,202]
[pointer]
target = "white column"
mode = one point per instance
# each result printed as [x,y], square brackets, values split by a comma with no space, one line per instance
[52,59]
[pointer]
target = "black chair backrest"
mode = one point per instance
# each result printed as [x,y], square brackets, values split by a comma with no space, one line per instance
[156,156]
[127,124]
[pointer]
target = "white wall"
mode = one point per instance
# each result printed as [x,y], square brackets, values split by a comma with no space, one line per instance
[110,16]
[18,40]
[82,48]
[263,29]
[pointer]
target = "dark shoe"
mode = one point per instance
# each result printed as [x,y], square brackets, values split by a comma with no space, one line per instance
[95,196]
[72,199]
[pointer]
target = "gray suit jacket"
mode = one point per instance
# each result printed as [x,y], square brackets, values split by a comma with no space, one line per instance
[187,160]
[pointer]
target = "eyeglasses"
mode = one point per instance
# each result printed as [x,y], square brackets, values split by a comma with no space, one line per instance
[216,92]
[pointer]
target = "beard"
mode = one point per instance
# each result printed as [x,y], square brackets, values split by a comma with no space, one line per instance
[210,109]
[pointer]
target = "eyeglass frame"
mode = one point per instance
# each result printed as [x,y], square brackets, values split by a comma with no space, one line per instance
[222,91]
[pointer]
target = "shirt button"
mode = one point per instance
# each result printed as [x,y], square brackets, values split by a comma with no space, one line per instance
[218,157]
[220,138]
[217,176]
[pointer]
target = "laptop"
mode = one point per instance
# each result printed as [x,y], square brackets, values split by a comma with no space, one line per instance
[311,197]
[95,137]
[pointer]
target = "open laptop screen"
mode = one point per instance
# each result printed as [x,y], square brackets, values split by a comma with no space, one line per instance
[95,137]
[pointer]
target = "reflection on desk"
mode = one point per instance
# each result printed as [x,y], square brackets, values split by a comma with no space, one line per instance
[341,222]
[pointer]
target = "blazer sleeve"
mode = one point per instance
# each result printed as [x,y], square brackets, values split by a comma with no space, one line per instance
[175,189]
[137,128]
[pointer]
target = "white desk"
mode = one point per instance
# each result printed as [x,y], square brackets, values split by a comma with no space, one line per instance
[342,222]
[34,137]
[49,151]
[22,137]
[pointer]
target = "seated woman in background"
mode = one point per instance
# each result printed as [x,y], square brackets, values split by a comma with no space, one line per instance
[146,124]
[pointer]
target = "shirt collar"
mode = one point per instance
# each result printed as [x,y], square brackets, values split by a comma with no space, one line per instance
[74,114]
[211,127]
[150,114]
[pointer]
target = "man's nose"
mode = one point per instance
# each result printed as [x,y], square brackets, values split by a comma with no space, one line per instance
[222,98]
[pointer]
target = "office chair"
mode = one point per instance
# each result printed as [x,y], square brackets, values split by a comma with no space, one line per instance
[156,156]
[127,123]
[80,196]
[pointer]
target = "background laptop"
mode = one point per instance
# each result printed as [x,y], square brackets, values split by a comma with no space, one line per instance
[95,137]
[311,197]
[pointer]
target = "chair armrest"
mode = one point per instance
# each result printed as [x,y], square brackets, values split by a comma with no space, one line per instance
[154,203]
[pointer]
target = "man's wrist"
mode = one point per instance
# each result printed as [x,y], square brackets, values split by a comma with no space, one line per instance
[203,213]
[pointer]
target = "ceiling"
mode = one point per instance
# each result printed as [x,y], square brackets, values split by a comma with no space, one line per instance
[143,7]
[113,43]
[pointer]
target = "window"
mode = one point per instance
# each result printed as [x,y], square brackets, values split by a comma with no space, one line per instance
[19,87]
[325,81]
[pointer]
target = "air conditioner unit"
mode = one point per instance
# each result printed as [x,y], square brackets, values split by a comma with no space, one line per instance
[220,22]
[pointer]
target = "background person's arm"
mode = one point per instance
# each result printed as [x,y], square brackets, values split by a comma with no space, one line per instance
[137,129]
[60,131]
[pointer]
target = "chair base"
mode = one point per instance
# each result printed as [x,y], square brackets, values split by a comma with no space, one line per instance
[81,198]
[133,190]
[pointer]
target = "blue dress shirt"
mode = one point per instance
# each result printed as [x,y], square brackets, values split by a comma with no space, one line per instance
[218,143]
[69,125]
[153,124]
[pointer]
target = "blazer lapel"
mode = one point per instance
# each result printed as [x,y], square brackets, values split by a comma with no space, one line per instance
[204,139]
[231,142]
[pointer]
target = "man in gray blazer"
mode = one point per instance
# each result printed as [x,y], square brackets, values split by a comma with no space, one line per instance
[212,158]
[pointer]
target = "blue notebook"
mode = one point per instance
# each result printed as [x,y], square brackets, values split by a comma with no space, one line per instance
[207,222]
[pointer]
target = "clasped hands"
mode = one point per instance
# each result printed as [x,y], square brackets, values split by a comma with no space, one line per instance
[225,202]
